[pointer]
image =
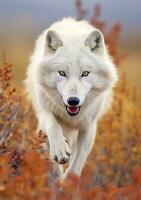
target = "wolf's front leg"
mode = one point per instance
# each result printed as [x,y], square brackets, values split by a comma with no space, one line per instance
[59,147]
[84,145]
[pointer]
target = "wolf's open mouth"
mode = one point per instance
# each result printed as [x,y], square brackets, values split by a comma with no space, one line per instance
[72,110]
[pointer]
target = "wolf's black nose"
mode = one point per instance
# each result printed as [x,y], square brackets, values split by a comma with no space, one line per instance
[73,101]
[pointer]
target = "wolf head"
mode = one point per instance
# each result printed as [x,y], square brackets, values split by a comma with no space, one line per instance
[75,64]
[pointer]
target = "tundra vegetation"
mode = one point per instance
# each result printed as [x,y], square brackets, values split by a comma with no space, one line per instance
[113,170]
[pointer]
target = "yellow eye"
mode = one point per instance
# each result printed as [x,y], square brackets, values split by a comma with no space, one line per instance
[85,73]
[62,73]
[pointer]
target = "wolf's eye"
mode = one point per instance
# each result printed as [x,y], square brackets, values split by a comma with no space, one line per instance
[85,73]
[62,73]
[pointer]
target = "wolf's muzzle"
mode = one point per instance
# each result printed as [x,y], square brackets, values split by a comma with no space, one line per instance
[73,101]
[73,107]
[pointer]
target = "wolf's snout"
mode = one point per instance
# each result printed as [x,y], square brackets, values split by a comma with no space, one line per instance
[73,101]
[73,107]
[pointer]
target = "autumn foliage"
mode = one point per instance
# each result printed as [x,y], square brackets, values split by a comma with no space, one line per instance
[113,170]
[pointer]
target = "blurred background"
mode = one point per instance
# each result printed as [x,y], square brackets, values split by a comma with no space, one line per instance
[21,21]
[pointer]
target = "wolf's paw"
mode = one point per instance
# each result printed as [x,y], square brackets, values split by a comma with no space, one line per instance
[60,152]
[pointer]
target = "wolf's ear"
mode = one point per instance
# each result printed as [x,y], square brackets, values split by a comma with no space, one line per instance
[53,41]
[95,41]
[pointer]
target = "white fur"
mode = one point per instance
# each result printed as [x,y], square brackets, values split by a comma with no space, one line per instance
[73,50]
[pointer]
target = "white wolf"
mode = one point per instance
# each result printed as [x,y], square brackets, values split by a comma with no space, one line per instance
[70,81]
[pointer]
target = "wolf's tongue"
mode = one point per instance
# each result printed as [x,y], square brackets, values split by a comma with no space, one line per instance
[73,109]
